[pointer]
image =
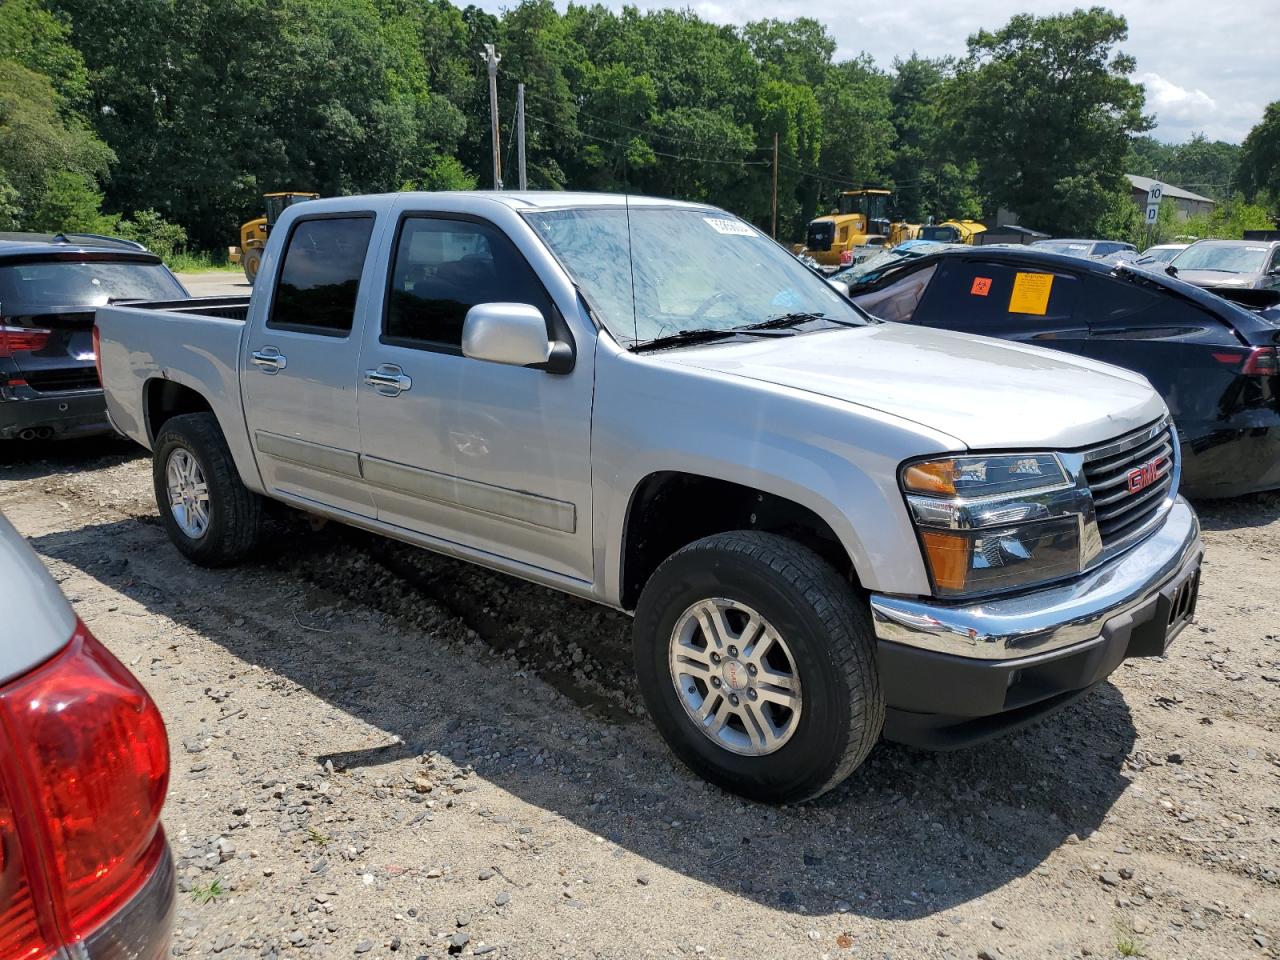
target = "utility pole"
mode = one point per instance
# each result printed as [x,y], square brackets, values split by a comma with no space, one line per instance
[524,174]
[775,185]
[492,58]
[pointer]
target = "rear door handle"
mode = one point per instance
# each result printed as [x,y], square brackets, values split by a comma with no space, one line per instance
[269,360]
[388,379]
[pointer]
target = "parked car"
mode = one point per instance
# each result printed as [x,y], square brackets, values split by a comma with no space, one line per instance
[85,870]
[1082,248]
[1161,253]
[1214,362]
[824,525]
[49,287]
[1249,264]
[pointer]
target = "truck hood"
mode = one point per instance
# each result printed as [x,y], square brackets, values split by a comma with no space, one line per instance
[988,394]
[1216,278]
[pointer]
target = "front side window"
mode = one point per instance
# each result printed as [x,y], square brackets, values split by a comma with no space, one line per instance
[445,267]
[897,301]
[320,278]
[652,272]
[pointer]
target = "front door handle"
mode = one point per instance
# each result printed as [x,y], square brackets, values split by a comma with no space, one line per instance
[388,379]
[269,360]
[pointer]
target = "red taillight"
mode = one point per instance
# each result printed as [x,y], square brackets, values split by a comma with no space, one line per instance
[1257,362]
[95,762]
[22,340]
[20,917]
[97,352]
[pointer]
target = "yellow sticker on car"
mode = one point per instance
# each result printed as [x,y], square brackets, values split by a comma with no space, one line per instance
[1031,293]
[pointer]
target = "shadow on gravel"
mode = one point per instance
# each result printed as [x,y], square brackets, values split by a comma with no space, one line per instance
[906,836]
[31,459]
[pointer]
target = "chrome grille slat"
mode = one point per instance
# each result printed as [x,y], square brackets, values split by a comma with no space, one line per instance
[1121,514]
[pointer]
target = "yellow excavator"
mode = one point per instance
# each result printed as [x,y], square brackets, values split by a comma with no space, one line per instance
[858,227]
[253,234]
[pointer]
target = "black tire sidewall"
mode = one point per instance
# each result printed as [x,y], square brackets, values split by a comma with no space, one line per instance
[808,761]
[199,436]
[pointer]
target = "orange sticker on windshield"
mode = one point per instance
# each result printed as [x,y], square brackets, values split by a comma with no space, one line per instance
[981,286]
[1031,293]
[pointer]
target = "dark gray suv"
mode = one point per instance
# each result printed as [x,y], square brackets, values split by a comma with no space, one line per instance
[49,289]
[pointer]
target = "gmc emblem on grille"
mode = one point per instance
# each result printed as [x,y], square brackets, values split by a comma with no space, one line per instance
[1139,478]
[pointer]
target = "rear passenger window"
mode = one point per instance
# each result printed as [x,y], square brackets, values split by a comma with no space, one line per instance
[982,297]
[445,267]
[321,276]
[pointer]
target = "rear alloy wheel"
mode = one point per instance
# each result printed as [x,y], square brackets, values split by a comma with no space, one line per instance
[210,516]
[757,662]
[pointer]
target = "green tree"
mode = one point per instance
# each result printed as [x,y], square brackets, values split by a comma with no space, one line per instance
[1260,157]
[1047,108]
[34,38]
[49,162]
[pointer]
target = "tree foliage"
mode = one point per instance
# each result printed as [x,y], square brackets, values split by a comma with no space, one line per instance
[174,116]
[1046,106]
[1260,157]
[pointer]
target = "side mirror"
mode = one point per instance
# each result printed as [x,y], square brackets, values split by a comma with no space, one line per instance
[514,334]
[840,287]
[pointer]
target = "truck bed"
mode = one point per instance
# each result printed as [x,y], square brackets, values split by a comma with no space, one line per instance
[224,308]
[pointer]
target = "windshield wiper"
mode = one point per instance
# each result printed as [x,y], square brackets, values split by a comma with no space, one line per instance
[794,320]
[683,338]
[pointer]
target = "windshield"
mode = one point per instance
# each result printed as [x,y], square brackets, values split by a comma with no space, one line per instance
[1162,254]
[1075,248]
[873,268]
[681,269]
[80,283]
[1222,257]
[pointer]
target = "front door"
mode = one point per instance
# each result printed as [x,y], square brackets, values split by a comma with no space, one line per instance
[301,369]
[489,456]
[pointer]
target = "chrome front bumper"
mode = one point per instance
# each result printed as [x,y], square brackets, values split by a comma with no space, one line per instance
[1052,619]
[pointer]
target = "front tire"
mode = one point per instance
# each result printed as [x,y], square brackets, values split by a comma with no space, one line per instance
[251,260]
[210,516]
[757,663]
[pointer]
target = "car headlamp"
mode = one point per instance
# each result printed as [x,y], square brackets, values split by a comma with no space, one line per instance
[994,523]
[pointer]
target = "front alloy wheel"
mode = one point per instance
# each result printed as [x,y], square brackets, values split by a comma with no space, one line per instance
[735,676]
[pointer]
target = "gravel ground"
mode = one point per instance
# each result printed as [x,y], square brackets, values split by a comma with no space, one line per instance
[378,752]
[216,283]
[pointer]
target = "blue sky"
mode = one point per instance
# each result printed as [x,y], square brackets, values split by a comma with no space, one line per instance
[1207,67]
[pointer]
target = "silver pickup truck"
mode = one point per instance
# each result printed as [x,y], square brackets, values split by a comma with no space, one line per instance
[826,526]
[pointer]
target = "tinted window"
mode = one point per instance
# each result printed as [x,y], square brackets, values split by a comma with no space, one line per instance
[443,268]
[897,301]
[77,283]
[988,297]
[1129,304]
[321,275]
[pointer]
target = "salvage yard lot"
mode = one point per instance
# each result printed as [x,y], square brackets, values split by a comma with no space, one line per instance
[382,752]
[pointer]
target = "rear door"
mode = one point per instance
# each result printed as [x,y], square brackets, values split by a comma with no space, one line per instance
[302,352]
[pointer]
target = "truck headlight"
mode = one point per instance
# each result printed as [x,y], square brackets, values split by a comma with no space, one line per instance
[999,522]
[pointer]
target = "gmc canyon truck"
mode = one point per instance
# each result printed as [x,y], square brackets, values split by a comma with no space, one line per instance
[827,527]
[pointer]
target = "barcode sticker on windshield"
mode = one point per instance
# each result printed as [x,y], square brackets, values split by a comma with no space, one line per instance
[1031,293]
[733,228]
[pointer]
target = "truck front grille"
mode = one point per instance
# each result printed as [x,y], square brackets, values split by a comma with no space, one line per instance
[1131,479]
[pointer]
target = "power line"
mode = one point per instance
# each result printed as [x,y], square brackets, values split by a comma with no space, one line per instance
[671,156]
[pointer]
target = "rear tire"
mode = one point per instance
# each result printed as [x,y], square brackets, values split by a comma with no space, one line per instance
[251,260]
[211,517]
[776,745]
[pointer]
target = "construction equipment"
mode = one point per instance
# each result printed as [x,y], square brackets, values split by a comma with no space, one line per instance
[859,214]
[253,234]
[967,232]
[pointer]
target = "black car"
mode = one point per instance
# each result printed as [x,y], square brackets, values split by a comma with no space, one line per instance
[1213,361]
[49,287]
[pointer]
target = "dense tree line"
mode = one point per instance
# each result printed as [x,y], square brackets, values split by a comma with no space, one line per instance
[186,111]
